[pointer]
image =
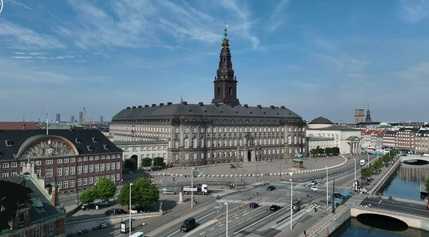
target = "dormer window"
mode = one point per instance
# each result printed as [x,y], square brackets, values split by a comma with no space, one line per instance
[77,140]
[9,143]
[94,140]
[89,148]
[105,147]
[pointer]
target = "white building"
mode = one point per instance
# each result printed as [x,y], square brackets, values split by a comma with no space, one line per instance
[323,133]
[143,149]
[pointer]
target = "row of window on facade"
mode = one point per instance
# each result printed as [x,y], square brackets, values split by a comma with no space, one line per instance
[81,169]
[209,129]
[65,184]
[229,154]
[295,140]
[143,148]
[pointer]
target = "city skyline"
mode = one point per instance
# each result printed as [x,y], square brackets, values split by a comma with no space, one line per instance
[108,55]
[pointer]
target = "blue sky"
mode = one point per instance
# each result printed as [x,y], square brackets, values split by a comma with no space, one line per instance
[317,57]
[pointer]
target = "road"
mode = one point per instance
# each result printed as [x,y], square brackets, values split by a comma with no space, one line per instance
[243,221]
[394,205]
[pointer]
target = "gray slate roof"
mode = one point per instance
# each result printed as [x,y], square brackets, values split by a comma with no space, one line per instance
[321,120]
[336,127]
[210,111]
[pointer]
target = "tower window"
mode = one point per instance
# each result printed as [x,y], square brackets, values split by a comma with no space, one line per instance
[218,90]
[229,91]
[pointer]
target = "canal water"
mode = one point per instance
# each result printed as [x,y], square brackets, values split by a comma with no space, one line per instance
[404,184]
[354,228]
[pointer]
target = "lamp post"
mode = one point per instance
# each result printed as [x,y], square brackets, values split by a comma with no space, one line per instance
[226,220]
[327,188]
[192,187]
[355,181]
[291,200]
[129,222]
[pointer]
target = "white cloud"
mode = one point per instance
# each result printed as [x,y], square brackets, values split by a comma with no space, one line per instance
[413,11]
[26,38]
[137,24]
[277,18]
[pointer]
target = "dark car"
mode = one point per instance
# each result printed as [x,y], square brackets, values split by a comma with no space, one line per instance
[188,225]
[271,188]
[88,206]
[253,205]
[274,208]
[115,211]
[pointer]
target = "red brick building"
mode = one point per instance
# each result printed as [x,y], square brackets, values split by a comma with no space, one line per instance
[70,159]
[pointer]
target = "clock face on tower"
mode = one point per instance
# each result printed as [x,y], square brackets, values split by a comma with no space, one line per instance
[48,147]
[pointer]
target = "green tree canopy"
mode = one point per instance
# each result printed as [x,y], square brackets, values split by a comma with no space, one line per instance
[88,195]
[366,172]
[146,162]
[143,193]
[159,161]
[105,189]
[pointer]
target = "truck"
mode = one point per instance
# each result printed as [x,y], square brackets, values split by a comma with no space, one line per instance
[201,189]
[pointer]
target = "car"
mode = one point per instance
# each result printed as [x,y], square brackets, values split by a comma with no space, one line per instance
[314,182]
[103,225]
[274,208]
[188,225]
[115,211]
[88,206]
[271,188]
[253,205]
[314,188]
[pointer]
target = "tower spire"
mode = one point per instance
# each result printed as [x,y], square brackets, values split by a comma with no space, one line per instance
[225,84]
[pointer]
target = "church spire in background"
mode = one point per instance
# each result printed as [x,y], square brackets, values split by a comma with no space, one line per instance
[225,84]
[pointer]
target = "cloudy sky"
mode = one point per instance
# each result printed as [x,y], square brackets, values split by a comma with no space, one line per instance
[317,57]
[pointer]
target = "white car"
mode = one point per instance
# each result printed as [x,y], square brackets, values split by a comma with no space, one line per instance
[314,188]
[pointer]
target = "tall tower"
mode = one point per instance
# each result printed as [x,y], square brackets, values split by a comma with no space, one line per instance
[368,116]
[225,83]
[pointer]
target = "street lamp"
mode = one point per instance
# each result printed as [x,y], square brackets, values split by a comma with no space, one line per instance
[327,188]
[129,223]
[226,220]
[355,181]
[192,187]
[291,200]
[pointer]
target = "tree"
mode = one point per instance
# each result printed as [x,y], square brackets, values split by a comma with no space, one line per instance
[336,151]
[104,189]
[146,162]
[159,162]
[313,152]
[366,172]
[143,194]
[88,195]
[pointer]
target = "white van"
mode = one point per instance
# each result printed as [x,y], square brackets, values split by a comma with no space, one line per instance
[362,162]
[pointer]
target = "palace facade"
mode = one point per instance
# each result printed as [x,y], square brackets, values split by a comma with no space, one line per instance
[222,131]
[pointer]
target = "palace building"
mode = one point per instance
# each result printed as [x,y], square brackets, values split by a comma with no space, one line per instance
[222,131]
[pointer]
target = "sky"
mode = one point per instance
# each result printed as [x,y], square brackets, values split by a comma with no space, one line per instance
[316,57]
